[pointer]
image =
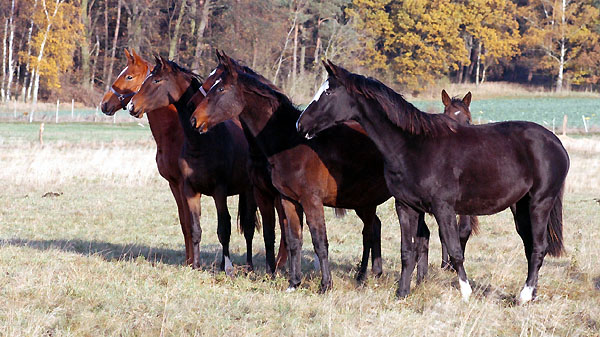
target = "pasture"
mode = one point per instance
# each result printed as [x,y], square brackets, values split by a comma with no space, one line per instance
[104,256]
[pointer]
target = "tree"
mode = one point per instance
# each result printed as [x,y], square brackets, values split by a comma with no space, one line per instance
[560,29]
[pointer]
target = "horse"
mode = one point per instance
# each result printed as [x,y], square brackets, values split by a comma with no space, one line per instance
[166,131]
[436,165]
[458,109]
[213,164]
[327,171]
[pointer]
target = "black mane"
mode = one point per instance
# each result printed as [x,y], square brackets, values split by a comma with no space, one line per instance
[398,110]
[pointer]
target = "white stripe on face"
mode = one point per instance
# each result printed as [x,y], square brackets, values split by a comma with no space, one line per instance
[122,72]
[212,72]
[456,113]
[216,82]
[321,90]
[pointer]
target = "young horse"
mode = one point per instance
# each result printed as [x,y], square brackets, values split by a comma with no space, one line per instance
[327,171]
[458,109]
[165,129]
[436,165]
[213,164]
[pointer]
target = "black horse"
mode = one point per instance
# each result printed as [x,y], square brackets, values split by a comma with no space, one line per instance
[434,164]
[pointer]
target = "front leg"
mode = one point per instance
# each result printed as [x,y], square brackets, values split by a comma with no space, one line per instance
[293,233]
[193,202]
[223,228]
[409,219]
[315,218]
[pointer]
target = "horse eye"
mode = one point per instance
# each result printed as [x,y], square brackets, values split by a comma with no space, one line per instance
[221,89]
[156,80]
[129,77]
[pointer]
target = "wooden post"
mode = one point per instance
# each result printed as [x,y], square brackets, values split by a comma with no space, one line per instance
[584,124]
[41,134]
[15,107]
[72,108]
[57,104]
[96,113]
[565,125]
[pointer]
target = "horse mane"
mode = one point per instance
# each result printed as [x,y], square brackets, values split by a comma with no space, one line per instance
[398,110]
[458,101]
[181,69]
[247,70]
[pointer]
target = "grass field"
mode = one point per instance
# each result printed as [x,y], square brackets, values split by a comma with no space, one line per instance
[105,256]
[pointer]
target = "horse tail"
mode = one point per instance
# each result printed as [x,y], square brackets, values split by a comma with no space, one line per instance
[474,224]
[340,212]
[243,211]
[555,227]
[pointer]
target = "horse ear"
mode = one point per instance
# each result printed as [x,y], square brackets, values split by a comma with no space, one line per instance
[136,58]
[219,56]
[165,63]
[338,72]
[328,68]
[467,99]
[445,98]
[130,58]
[230,66]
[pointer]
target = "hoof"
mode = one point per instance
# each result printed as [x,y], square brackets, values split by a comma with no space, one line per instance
[526,295]
[325,288]
[447,266]
[465,290]
[361,277]
[228,267]
[401,294]
[290,289]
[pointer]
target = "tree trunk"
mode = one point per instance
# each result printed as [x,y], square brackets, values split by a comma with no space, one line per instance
[316,56]
[295,60]
[561,58]
[85,44]
[2,84]
[287,39]
[27,79]
[106,42]
[478,63]
[114,47]
[175,37]
[200,32]
[11,69]
[36,82]
[483,74]
[97,49]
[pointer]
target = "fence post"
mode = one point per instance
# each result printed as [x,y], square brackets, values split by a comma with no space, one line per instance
[565,125]
[584,123]
[57,104]
[41,134]
[72,108]
[15,108]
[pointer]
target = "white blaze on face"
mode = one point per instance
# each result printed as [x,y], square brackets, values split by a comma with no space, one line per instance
[465,289]
[526,295]
[122,72]
[216,82]
[212,72]
[321,90]
[456,113]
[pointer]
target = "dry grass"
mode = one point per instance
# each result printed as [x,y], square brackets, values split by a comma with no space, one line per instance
[104,258]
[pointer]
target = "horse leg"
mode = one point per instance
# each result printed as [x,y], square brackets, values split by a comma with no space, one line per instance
[184,219]
[193,203]
[223,228]
[376,263]
[267,211]
[293,234]
[445,260]
[282,254]
[367,215]
[247,207]
[315,218]
[422,241]
[539,214]
[446,219]
[408,219]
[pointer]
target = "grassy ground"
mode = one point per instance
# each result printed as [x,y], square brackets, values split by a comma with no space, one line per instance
[105,256]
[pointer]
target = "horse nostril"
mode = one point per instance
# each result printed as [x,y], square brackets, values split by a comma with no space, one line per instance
[193,121]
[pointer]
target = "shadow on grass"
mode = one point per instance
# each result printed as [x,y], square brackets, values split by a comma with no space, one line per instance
[210,255]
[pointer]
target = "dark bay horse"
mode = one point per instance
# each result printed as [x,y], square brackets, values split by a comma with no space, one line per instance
[458,109]
[166,131]
[434,164]
[213,164]
[341,169]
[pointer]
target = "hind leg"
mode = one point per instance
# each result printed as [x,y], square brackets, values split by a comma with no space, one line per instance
[539,214]
[446,219]
[223,229]
[193,203]
[282,254]
[184,220]
[247,206]
[408,219]
[267,212]
[315,218]
[367,215]
[422,241]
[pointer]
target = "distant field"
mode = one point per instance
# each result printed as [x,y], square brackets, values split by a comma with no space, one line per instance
[542,110]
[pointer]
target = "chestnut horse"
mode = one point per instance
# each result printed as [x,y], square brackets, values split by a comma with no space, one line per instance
[458,109]
[166,131]
[434,164]
[341,169]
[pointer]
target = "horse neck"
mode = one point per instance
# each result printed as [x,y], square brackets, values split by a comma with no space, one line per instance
[273,126]
[165,126]
[388,138]
[185,106]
